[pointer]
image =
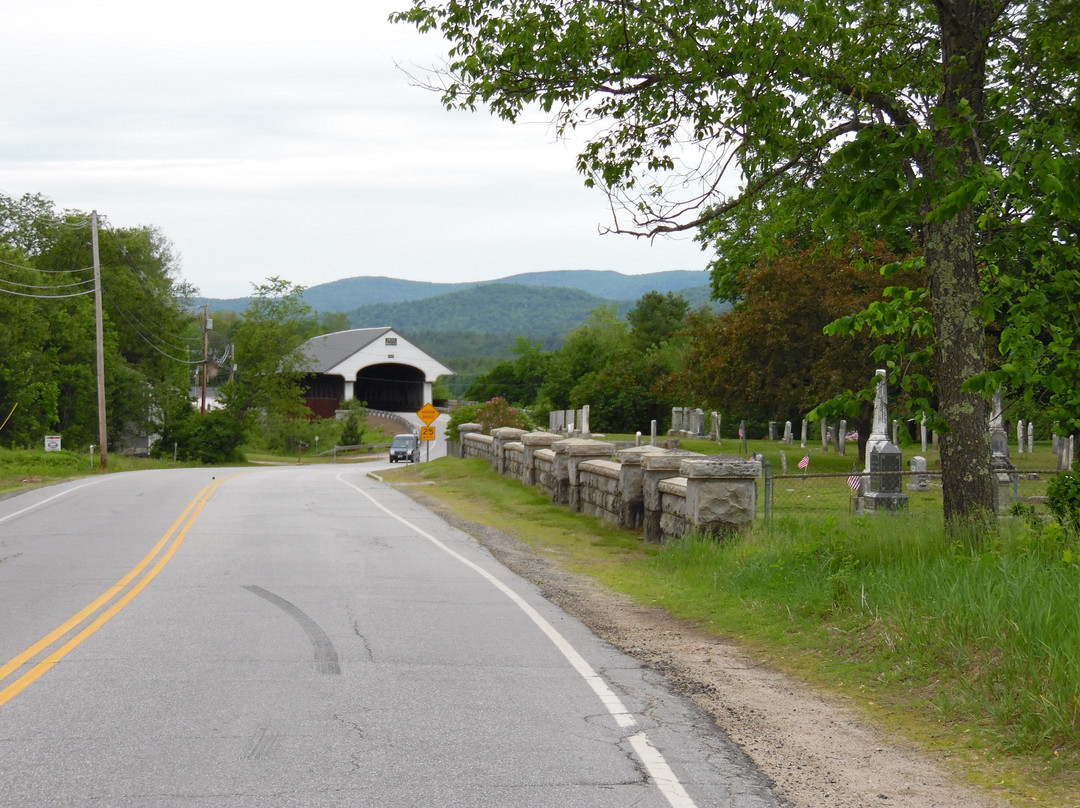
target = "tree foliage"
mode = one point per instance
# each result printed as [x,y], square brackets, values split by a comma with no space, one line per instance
[47,351]
[269,368]
[953,119]
[618,367]
[769,358]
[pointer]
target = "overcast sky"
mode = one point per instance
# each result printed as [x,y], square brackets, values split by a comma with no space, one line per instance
[266,139]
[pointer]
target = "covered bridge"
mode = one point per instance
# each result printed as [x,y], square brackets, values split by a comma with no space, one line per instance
[375,365]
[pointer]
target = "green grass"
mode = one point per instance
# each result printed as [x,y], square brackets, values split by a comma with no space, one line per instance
[972,650]
[26,468]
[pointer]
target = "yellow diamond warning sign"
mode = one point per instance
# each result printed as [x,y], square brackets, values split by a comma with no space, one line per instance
[427,414]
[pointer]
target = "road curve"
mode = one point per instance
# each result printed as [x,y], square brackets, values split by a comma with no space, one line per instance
[308,636]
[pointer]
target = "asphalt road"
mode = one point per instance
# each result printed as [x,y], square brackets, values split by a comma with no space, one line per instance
[306,636]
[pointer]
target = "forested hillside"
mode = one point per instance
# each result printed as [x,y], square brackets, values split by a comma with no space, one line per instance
[536,312]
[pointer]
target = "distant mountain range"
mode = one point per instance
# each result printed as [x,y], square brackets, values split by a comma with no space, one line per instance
[362,293]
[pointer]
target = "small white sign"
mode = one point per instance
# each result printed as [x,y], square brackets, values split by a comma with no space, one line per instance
[52,443]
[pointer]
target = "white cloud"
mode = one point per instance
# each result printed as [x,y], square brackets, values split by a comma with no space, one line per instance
[271,139]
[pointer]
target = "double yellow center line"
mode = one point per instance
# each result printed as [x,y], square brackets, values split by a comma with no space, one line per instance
[108,604]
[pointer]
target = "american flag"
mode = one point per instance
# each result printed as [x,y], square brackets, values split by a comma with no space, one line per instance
[855,480]
[805,462]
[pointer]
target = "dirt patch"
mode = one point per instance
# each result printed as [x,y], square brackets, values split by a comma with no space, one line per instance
[387,425]
[819,753]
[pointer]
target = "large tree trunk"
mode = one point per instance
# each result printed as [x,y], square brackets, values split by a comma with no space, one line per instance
[950,260]
[960,354]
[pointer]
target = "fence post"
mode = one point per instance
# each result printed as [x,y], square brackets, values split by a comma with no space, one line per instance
[766,470]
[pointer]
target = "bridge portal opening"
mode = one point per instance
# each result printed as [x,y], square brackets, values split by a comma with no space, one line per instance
[389,386]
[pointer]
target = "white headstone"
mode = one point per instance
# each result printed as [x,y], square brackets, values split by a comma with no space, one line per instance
[879,432]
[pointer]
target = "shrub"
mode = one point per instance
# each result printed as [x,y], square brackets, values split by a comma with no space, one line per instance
[497,412]
[465,414]
[490,415]
[1063,497]
[215,437]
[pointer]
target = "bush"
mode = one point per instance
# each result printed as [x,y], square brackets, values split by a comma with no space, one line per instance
[465,414]
[352,433]
[215,437]
[490,415]
[1063,497]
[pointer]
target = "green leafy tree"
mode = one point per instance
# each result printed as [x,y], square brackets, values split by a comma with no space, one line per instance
[518,381]
[594,345]
[655,318]
[769,359]
[955,118]
[269,368]
[47,364]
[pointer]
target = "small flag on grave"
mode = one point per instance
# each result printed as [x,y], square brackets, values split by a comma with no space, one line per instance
[854,481]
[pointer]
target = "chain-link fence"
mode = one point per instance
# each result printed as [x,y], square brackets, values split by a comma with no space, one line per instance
[835,494]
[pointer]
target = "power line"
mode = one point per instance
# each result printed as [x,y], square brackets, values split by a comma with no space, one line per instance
[31,268]
[176,341]
[149,341]
[88,281]
[46,297]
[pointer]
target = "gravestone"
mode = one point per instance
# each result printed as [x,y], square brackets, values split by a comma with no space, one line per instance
[842,438]
[676,419]
[803,442]
[879,431]
[883,489]
[787,432]
[772,430]
[1004,471]
[919,480]
[1020,436]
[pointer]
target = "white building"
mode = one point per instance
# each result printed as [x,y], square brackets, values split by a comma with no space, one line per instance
[375,365]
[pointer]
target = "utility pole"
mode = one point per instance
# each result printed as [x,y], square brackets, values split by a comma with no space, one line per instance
[100,343]
[205,351]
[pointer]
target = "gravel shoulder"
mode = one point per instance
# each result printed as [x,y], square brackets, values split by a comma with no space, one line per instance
[819,753]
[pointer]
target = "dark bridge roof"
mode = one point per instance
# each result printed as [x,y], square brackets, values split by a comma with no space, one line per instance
[330,350]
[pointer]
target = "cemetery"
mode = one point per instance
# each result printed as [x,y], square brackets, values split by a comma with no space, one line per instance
[653,484]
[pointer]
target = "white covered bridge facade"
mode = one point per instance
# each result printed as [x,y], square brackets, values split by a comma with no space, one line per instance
[374,365]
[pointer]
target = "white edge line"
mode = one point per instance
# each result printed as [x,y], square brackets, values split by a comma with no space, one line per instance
[611,701]
[49,499]
[660,772]
[655,764]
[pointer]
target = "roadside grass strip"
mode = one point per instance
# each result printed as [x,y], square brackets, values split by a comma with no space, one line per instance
[105,607]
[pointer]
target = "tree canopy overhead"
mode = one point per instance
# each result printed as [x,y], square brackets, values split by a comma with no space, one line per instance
[955,120]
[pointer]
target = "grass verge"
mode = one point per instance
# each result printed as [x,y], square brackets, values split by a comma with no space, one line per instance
[974,651]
